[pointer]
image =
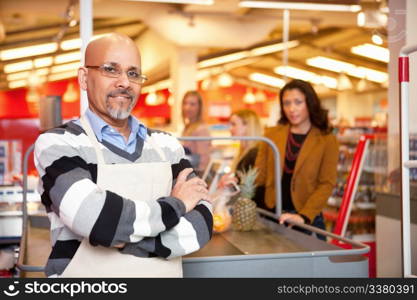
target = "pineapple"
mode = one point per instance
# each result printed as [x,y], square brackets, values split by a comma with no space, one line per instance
[244,209]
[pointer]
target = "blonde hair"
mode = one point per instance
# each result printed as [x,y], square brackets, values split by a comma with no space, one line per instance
[254,128]
[191,126]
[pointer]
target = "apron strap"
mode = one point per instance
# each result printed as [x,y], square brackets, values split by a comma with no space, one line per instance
[90,133]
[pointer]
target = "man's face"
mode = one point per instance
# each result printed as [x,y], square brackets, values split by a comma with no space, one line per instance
[110,95]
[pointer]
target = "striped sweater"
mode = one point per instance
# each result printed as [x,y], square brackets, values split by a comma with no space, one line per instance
[77,208]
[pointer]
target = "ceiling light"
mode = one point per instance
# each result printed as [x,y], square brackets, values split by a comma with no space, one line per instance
[372,51]
[76,43]
[373,75]
[44,71]
[71,94]
[151,98]
[67,57]
[225,80]
[66,67]
[20,66]
[71,44]
[299,5]
[330,64]
[198,2]
[362,85]
[273,48]
[35,80]
[28,51]
[360,19]
[249,97]
[72,23]
[343,82]
[32,95]
[377,39]
[63,75]
[297,73]
[160,85]
[233,57]
[329,82]
[17,76]
[223,59]
[154,98]
[43,62]
[338,66]
[266,79]
[260,96]
[17,83]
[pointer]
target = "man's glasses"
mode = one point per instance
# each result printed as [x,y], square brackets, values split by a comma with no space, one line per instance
[115,71]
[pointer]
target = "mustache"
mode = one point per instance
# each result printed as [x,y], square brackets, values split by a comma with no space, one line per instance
[121,92]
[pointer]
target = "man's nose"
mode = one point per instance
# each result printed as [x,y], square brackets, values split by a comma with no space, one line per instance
[123,81]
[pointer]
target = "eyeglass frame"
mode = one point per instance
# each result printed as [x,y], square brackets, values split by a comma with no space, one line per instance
[141,79]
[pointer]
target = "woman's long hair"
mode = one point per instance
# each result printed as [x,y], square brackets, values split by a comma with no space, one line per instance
[191,126]
[254,128]
[317,114]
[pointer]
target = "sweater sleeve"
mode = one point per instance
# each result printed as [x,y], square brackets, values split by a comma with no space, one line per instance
[68,189]
[192,233]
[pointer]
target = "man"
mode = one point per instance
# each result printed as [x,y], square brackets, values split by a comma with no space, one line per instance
[118,195]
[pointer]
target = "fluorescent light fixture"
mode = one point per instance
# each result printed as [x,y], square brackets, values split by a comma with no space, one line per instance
[198,2]
[63,75]
[300,6]
[247,54]
[43,62]
[66,67]
[160,85]
[331,64]
[71,44]
[373,75]
[249,97]
[223,59]
[34,80]
[16,76]
[266,79]
[361,19]
[76,43]
[225,80]
[327,81]
[17,84]
[28,51]
[40,72]
[20,66]
[67,57]
[273,48]
[297,73]
[372,51]
[338,66]
[377,39]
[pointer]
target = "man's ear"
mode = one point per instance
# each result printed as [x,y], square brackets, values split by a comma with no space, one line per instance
[82,78]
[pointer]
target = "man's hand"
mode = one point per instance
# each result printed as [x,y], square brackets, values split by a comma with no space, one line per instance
[189,191]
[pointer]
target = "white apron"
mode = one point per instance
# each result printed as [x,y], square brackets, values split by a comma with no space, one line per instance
[148,181]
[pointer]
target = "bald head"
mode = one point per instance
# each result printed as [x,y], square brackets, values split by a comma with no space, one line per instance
[99,48]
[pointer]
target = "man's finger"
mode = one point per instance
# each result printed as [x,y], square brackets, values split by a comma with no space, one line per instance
[182,176]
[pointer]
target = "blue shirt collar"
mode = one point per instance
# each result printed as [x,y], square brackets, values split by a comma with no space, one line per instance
[99,125]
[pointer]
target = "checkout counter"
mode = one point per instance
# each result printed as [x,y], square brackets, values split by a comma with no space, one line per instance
[269,250]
